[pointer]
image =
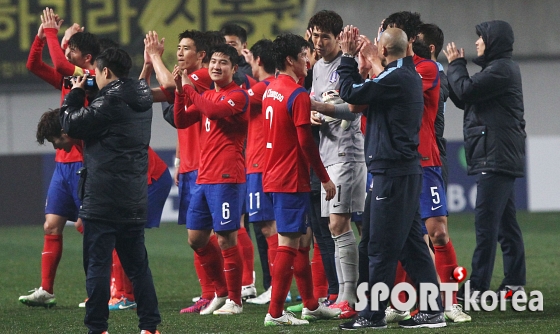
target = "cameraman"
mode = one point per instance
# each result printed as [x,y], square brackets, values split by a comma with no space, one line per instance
[116,131]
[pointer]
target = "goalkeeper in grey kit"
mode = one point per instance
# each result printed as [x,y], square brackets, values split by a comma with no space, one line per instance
[342,152]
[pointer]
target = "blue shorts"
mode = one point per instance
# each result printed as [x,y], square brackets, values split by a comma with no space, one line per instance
[216,206]
[187,181]
[158,192]
[62,196]
[259,206]
[433,201]
[290,211]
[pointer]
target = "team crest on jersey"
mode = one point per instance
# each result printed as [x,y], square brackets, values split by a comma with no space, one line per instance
[250,92]
[230,101]
[223,97]
[194,76]
[334,77]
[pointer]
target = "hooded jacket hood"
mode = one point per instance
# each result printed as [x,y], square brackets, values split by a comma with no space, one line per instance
[498,39]
[136,93]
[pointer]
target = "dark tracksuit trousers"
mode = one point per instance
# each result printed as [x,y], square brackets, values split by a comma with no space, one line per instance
[495,221]
[396,234]
[100,238]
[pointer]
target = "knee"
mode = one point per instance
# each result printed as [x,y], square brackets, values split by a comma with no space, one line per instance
[439,238]
[196,243]
[54,225]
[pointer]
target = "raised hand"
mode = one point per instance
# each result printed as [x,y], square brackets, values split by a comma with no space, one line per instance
[178,78]
[50,20]
[74,28]
[349,39]
[453,53]
[153,45]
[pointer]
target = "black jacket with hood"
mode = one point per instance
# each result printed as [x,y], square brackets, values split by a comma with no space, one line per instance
[492,99]
[116,130]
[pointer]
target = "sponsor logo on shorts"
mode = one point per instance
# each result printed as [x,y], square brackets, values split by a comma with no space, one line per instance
[253,213]
[437,207]
[377,198]
[226,222]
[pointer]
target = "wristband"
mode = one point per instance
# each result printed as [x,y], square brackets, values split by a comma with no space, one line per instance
[349,55]
[177,162]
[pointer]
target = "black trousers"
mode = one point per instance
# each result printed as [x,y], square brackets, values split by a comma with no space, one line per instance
[262,248]
[396,234]
[363,259]
[320,228]
[495,221]
[100,238]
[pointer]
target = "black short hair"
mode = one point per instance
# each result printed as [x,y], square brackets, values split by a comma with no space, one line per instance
[327,21]
[409,22]
[49,126]
[105,43]
[198,37]
[263,50]
[232,29]
[211,40]
[117,60]
[432,35]
[227,50]
[86,42]
[287,45]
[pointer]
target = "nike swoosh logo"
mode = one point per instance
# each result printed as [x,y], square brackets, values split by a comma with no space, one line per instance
[229,269]
[226,222]
[122,307]
[252,213]
[437,207]
[43,253]
[336,205]
[377,198]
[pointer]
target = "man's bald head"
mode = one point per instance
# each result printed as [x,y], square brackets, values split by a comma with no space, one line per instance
[395,41]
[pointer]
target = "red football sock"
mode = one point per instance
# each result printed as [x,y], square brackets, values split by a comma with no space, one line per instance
[401,277]
[52,252]
[272,243]
[320,282]
[283,273]
[233,268]
[206,284]
[246,246]
[117,288]
[127,287]
[212,262]
[304,279]
[446,262]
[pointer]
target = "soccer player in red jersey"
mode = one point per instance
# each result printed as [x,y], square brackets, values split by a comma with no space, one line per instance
[290,149]
[191,52]
[259,206]
[217,199]
[62,200]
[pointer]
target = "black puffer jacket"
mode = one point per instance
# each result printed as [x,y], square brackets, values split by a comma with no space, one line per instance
[494,127]
[116,130]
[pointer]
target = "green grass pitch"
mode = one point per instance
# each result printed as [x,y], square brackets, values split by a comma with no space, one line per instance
[171,263]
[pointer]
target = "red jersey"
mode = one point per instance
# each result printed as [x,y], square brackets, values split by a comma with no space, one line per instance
[428,149]
[286,106]
[156,166]
[54,76]
[222,119]
[254,152]
[189,146]
[201,79]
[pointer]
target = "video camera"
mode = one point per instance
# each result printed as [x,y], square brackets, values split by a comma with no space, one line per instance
[91,84]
